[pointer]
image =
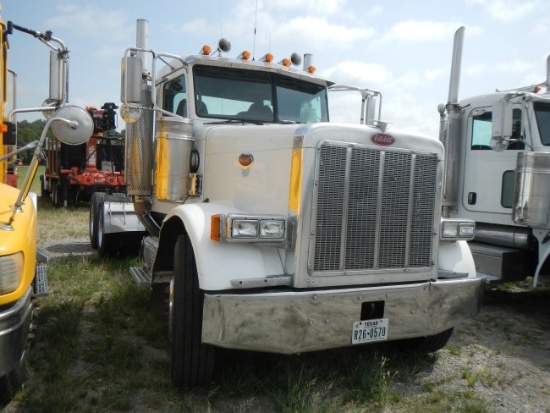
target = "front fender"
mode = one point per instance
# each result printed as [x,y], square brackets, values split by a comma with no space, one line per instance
[219,262]
[455,258]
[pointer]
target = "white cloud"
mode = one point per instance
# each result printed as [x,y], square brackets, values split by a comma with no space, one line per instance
[92,22]
[375,11]
[322,7]
[507,10]
[318,31]
[431,75]
[192,27]
[354,73]
[411,30]
[515,66]
[476,69]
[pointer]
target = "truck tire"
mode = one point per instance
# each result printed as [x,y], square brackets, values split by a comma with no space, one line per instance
[95,205]
[44,193]
[107,244]
[192,362]
[57,194]
[12,382]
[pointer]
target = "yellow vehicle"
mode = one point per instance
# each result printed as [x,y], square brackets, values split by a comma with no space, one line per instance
[21,279]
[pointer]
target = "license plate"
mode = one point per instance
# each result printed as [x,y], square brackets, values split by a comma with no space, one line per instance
[367,331]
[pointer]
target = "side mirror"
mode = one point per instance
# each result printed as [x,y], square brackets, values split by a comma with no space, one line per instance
[71,125]
[130,88]
[500,143]
[502,119]
[58,76]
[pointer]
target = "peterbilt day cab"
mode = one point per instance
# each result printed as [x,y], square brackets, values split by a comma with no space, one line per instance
[497,174]
[271,228]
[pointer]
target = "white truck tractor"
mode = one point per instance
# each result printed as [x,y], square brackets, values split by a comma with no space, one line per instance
[498,174]
[272,229]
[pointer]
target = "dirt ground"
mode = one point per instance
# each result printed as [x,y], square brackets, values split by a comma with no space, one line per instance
[502,356]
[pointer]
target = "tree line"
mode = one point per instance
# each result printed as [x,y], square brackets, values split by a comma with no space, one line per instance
[28,132]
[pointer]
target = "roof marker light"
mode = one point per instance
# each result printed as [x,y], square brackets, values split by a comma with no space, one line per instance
[285,62]
[268,57]
[245,55]
[311,69]
[206,50]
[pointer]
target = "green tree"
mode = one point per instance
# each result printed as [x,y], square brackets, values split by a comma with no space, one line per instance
[28,132]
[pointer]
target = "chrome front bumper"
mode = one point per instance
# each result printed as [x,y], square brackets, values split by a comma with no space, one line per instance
[301,321]
[14,329]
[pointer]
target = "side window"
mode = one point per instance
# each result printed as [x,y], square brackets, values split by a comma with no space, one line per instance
[507,195]
[174,96]
[516,131]
[481,131]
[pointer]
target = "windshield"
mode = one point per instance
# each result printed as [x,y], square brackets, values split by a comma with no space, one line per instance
[257,96]
[542,113]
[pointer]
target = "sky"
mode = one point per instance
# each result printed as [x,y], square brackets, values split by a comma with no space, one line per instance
[400,48]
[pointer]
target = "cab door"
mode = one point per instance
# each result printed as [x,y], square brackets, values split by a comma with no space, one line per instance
[489,177]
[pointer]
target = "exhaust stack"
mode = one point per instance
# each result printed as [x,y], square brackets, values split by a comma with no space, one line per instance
[139,142]
[451,130]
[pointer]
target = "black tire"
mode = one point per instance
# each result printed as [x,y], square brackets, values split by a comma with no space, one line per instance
[107,244]
[192,362]
[44,193]
[57,194]
[95,205]
[131,243]
[12,382]
[428,344]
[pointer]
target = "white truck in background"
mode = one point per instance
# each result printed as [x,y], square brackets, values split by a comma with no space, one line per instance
[270,228]
[498,174]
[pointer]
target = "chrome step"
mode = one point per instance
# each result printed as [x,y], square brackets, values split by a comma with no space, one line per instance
[40,281]
[141,278]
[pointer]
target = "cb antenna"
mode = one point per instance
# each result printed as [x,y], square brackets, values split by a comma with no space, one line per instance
[255,23]
[221,23]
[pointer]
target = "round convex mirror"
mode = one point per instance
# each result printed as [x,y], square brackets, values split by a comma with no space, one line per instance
[79,131]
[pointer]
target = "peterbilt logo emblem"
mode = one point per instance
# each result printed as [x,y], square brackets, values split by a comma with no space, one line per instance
[383,139]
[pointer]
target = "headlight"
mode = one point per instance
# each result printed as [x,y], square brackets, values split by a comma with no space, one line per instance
[457,229]
[272,229]
[237,227]
[244,228]
[11,272]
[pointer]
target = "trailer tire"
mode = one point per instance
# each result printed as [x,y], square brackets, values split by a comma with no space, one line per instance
[95,205]
[192,362]
[12,382]
[107,244]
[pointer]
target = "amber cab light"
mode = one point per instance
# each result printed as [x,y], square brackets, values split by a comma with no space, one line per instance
[215,227]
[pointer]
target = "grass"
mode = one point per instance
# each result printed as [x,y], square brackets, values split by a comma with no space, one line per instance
[22,172]
[98,349]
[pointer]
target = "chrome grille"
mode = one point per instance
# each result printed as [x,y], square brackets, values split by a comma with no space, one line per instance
[374,209]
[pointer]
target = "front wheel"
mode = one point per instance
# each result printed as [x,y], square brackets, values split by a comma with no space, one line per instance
[192,362]
[12,382]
